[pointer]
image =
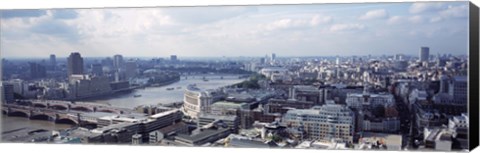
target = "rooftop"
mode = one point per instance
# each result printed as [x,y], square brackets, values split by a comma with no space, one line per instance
[155,116]
[202,135]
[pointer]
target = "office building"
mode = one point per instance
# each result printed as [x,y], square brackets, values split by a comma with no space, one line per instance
[7,91]
[367,100]
[282,106]
[459,89]
[130,69]
[53,62]
[75,64]
[206,121]
[118,62]
[202,138]
[196,101]
[328,122]
[37,71]
[84,86]
[97,69]
[173,58]
[306,93]
[424,54]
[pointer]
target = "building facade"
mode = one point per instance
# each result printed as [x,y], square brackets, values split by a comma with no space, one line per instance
[75,64]
[328,122]
[196,101]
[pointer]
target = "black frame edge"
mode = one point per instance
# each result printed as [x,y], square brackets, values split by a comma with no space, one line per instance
[473,107]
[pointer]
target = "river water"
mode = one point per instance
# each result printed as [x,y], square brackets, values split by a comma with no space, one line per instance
[149,96]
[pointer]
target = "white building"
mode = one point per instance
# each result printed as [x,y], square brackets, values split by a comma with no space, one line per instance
[268,72]
[196,101]
[355,100]
[328,122]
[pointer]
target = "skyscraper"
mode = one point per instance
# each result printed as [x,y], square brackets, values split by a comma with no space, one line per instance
[272,58]
[424,54]
[53,62]
[130,69]
[37,71]
[173,58]
[118,62]
[7,91]
[75,64]
[97,69]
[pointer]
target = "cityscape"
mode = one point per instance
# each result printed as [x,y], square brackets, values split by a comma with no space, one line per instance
[414,99]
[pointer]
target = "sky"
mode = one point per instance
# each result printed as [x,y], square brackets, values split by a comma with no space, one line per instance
[216,31]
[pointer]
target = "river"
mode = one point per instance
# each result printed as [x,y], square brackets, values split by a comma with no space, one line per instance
[149,96]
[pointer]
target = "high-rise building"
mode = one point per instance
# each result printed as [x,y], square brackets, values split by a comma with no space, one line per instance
[173,58]
[108,62]
[37,71]
[130,69]
[97,69]
[75,64]
[327,122]
[424,54]
[273,57]
[262,60]
[7,91]
[459,89]
[337,61]
[118,62]
[53,62]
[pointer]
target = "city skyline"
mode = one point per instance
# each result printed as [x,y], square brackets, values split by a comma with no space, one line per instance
[287,30]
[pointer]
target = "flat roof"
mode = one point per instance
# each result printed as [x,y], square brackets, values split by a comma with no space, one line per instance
[112,126]
[237,142]
[390,139]
[219,117]
[229,104]
[158,115]
[202,135]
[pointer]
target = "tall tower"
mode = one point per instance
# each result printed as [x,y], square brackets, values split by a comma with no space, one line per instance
[117,62]
[53,62]
[37,71]
[75,64]
[130,69]
[424,54]
[272,58]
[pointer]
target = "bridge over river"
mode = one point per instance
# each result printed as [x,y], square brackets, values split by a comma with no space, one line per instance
[60,111]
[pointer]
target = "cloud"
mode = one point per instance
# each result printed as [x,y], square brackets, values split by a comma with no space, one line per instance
[436,19]
[422,7]
[346,27]
[416,19]
[231,31]
[57,29]
[374,14]
[65,14]
[287,23]
[395,20]
[317,19]
[451,12]
[455,12]
[202,15]
[7,14]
